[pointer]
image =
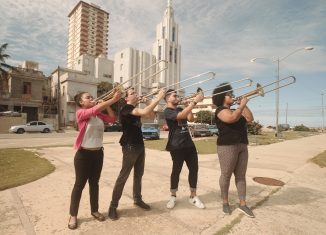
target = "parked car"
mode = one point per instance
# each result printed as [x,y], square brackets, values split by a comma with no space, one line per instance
[10,114]
[108,127]
[198,130]
[34,126]
[165,127]
[151,131]
[213,129]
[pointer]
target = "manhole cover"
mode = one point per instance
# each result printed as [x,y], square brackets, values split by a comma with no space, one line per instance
[268,181]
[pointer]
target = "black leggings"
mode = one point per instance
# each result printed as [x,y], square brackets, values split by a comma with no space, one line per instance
[88,166]
[188,155]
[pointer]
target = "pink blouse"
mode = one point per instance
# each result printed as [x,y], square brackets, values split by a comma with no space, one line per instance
[83,116]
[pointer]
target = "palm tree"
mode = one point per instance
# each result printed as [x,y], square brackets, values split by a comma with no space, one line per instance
[4,67]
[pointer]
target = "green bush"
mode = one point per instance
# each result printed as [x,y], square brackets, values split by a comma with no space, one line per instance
[301,128]
[254,128]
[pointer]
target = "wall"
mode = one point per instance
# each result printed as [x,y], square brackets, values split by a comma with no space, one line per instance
[7,122]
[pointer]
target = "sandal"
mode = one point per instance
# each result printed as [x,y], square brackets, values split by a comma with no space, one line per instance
[98,216]
[72,225]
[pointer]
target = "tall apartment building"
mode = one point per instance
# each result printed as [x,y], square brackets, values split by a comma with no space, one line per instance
[88,32]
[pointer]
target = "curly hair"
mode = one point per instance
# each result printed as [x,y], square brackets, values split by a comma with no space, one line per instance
[77,98]
[222,88]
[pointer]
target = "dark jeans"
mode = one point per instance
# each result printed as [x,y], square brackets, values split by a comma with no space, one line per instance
[88,166]
[133,157]
[188,155]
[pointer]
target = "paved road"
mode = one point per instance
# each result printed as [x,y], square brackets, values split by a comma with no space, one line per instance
[41,207]
[52,139]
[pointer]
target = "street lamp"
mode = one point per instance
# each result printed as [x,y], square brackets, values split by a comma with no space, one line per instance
[322,109]
[278,79]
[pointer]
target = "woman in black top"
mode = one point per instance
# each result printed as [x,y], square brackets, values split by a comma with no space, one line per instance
[232,144]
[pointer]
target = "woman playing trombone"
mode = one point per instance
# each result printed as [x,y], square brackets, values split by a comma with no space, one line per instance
[232,144]
[88,159]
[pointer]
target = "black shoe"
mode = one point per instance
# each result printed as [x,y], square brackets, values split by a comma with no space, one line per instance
[226,208]
[246,210]
[113,215]
[72,225]
[142,205]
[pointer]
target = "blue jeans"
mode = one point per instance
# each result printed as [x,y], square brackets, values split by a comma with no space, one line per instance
[133,157]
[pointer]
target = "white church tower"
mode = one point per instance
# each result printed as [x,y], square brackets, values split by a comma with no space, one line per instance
[166,47]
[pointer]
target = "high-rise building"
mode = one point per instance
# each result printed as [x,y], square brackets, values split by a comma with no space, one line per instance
[88,32]
[128,62]
[167,47]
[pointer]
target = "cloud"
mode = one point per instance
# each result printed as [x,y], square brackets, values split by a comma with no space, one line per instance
[217,35]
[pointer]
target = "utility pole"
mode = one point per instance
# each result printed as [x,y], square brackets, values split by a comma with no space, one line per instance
[286,114]
[59,100]
[322,109]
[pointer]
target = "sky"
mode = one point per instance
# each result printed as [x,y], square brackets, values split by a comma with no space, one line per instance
[215,35]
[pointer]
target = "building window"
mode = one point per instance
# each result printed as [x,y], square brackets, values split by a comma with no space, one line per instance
[159,52]
[121,79]
[27,88]
[63,90]
[170,54]
[175,55]
[163,32]
[173,34]
[121,67]
[121,55]
[107,75]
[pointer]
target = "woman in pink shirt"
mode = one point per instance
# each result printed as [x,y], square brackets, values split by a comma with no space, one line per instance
[88,159]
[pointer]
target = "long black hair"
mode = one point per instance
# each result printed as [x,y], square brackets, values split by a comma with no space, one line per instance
[219,99]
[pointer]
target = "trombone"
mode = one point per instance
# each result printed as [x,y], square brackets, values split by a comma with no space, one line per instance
[247,84]
[209,73]
[119,86]
[260,90]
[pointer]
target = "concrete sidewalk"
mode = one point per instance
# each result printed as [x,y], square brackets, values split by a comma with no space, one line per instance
[299,207]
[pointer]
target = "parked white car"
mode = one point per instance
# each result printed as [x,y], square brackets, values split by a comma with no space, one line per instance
[34,126]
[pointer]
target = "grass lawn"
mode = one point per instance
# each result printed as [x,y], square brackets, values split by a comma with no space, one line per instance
[18,167]
[208,145]
[320,159]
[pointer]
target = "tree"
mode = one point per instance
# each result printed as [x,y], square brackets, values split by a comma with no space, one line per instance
[254,128]
[4,67]
[205,116]
[105,87]
[301,128]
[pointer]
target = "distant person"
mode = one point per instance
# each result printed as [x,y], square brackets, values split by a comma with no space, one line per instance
[232,144]
[133,149]
[88,159]
[181,147]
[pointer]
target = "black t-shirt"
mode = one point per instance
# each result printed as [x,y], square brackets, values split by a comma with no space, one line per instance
[131,127]
[231,133]
[179,137]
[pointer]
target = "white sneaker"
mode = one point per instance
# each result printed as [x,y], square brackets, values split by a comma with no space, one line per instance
[196,202]
[171,202]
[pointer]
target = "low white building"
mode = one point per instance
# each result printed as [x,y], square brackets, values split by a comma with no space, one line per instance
[89,72]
